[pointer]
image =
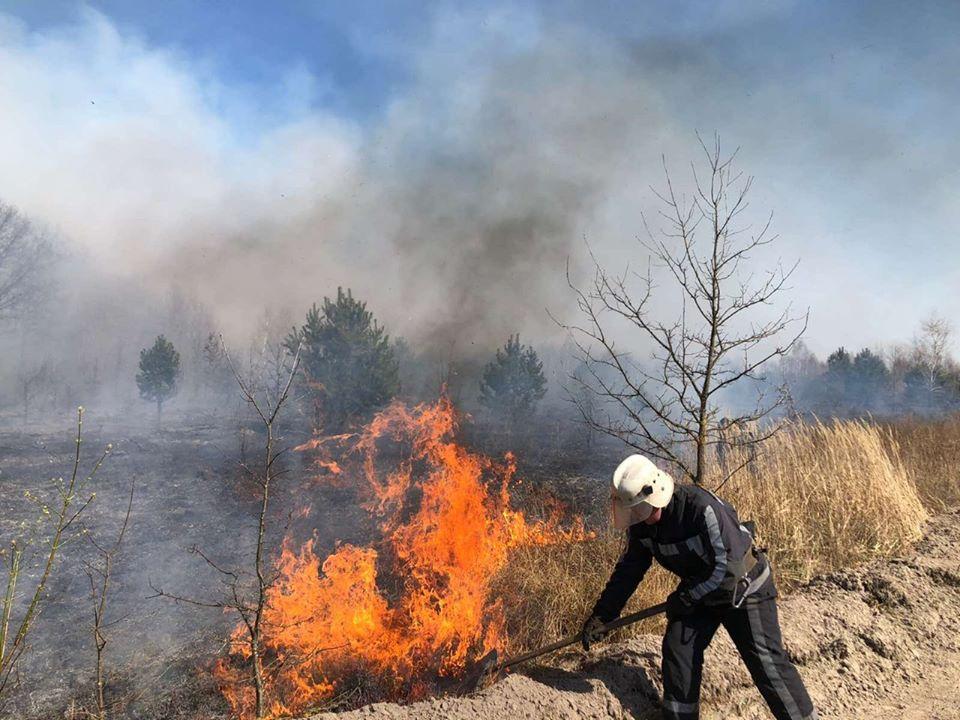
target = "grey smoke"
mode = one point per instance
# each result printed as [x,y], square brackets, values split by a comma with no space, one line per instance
[519,133]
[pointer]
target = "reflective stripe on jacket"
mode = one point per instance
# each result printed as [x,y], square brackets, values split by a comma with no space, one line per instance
[699,538]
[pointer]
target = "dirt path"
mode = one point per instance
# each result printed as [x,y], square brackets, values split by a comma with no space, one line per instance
[935,697]
[882,641]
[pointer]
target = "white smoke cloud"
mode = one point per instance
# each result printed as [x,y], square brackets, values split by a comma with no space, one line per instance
[455,211]
[135,154]
[454,214]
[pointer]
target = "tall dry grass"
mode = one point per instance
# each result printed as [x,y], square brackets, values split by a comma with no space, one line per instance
[549,591]
[931,451]
[824,496]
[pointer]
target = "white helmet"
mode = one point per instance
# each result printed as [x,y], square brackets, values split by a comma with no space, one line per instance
[638,488]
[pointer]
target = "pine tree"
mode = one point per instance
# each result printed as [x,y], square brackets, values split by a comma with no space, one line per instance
[870,381]
[159,370]
[839,362]
[347,358]
[513,382]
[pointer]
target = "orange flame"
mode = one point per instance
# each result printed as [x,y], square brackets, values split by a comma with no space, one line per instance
[412,609]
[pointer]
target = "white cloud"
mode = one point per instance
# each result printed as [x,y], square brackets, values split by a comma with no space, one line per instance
[455,211]
[124,149]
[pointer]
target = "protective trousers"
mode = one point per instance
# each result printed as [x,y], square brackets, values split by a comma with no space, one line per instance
[755,631]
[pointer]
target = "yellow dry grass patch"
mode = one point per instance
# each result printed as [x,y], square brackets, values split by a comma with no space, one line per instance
[931,450]
[826,496]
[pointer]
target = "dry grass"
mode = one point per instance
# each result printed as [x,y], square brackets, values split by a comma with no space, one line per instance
[828,496]
[549,591]
[824,496]
[931,450]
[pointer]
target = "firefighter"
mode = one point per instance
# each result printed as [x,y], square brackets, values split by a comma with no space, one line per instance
[724,580]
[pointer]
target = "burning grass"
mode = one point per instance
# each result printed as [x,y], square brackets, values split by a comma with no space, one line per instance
[393,617]
[825,496]
[458,571]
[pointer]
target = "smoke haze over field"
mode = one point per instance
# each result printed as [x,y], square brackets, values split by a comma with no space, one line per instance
[218,167]
[451,194]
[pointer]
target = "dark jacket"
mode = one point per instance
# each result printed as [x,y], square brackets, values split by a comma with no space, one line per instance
[700,539]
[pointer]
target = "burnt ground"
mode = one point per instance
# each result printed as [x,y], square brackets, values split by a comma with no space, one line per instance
[189,491]
[879,641]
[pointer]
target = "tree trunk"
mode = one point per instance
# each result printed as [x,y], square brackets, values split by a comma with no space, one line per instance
[256,634]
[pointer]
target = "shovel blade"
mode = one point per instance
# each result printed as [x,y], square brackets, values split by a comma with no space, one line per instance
[485,672]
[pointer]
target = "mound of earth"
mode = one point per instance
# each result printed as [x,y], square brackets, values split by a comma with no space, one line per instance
[880,641]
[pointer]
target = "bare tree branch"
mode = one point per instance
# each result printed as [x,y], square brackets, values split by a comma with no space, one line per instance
[25,255]
[99,576]
[668,405]
[250,603]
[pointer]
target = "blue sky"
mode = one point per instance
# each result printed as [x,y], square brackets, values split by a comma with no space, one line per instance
[360,51]
[417,131]
[253,45]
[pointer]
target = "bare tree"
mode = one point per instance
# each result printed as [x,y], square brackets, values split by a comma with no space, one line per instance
[99,574]
[668,405]
[247,590]
[218,380]
[13,640]
[29,378]
[931,351]
[25,254]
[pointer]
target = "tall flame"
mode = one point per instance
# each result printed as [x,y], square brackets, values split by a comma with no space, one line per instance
[414,607]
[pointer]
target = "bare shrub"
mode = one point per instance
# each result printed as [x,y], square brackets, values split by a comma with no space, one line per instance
[17,619]
[100,573]
[245,589]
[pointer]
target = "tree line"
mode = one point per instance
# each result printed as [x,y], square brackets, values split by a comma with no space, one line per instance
[670,400]
[917,378]
[350,368]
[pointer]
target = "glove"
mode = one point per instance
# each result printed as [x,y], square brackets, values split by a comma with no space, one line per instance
[679,604]
[592,632]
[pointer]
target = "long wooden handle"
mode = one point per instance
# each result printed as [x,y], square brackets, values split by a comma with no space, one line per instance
[634,617]
[612,625]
